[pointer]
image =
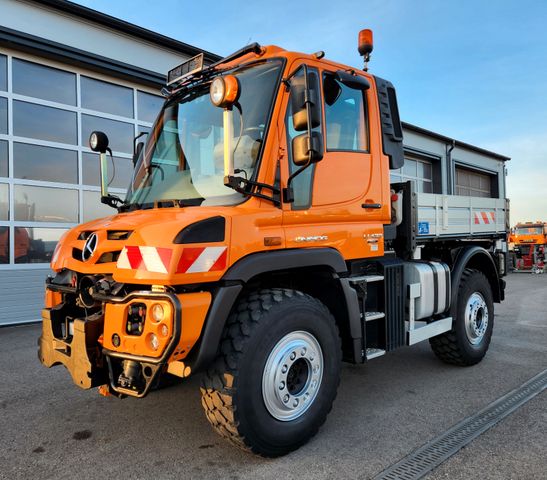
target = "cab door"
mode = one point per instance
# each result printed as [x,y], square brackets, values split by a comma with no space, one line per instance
[343,200]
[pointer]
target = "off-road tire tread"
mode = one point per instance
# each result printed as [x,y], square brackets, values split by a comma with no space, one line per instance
[446,346]
[219,381]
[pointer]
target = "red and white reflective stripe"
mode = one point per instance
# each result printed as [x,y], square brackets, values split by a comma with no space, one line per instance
[151,259]
[485,218]
[202,259]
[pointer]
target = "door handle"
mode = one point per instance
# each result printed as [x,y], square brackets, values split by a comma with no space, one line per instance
[371,205]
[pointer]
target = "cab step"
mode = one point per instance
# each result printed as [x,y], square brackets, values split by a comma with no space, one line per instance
[366,278]
[374,353]
[369,316]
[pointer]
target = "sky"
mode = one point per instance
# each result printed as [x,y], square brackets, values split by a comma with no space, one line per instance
[471,70]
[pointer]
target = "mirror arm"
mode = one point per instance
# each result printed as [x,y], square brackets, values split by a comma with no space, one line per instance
[110,200]
[288,194]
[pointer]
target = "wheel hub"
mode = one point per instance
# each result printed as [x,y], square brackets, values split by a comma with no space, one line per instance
[476,318]
[292,375]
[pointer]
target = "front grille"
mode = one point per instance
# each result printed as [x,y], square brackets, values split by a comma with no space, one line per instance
[118,234]
[109,257]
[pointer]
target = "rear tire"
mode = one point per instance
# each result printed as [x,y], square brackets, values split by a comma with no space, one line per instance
[276,373]
[473,314]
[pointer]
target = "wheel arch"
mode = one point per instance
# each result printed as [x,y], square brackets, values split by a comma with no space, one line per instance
[316,272]
[477,258]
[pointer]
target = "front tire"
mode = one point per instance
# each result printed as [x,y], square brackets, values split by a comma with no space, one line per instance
[276,373]
[473,320]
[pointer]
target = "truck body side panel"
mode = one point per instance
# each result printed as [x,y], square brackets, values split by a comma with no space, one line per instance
[442,216]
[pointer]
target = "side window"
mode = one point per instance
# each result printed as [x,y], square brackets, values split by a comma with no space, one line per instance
[302,184]
[345,116]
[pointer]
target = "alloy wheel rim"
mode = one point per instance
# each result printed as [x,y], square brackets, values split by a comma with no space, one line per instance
[476,318]
[292,376]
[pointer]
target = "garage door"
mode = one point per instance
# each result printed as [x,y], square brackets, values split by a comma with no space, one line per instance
[470,183]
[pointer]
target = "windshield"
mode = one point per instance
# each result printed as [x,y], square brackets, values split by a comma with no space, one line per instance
[529,230]
[183,157]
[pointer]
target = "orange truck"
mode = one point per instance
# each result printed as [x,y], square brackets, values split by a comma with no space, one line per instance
[529,242]
[261,243]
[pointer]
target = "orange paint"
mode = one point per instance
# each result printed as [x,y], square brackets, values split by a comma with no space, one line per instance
[342,183]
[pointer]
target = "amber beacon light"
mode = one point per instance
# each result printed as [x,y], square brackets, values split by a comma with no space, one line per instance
[365,45]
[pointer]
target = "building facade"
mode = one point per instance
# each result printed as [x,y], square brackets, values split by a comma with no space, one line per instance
[65,71]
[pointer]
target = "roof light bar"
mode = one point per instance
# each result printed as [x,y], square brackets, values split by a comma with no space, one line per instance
[195,64]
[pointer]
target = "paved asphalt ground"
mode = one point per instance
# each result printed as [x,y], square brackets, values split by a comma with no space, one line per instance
[51,429]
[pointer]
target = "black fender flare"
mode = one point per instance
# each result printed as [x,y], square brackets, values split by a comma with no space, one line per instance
[480,259]
[263,262]
[233,281]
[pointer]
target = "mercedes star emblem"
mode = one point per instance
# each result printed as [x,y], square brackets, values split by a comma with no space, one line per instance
[90,247]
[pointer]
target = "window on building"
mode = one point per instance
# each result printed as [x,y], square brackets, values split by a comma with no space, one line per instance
[120,134]
[3,115]
[148,106]
[36,244]
[345,116]
[46,147]
[302,184]
[471,183]
[106,97]
[44,123]
[47,83]
[3,158]
[3,73]
[44,204]
[420,171]
[93,208]
[49,164]
[119,174]
[4,240]
[4,201]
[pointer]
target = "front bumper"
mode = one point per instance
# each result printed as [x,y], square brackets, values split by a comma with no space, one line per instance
[76,344]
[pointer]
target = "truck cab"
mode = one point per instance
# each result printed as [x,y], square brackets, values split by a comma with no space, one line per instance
[261,243]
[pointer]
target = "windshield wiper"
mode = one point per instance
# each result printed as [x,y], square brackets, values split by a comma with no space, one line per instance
[164,203]
[252,188]
[192,202]
[114,202]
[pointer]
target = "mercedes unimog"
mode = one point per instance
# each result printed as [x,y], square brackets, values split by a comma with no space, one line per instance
[261,243]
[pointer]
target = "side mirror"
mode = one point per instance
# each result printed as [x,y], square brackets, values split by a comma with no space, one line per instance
[356,82]
[301,97]
[307,149]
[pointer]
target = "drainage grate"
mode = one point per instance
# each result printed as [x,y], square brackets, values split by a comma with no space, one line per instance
[432,454]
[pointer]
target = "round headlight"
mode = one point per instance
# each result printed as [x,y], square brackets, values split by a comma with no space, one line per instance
[164,330]
[93,141]
[98,141]
[218,88]
[153,341]
[157,312]
[224,91]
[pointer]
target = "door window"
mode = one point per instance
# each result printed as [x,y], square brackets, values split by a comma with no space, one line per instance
[345,116]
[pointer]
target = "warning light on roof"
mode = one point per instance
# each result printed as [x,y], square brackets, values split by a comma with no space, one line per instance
[365,45]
